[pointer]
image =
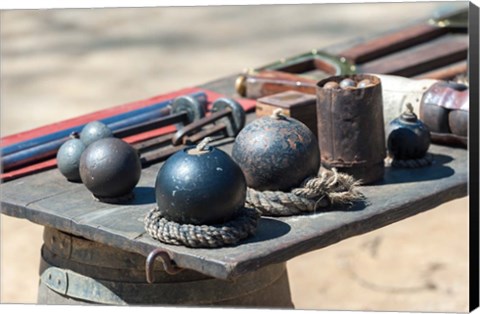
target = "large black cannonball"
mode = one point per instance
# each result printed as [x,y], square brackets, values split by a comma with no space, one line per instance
[110,168]
[276,153]
[200,187]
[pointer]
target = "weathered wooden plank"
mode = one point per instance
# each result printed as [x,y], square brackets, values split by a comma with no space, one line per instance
[446,73]
[422,58]
[396,41]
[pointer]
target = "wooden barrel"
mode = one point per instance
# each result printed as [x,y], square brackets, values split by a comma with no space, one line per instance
[74,270]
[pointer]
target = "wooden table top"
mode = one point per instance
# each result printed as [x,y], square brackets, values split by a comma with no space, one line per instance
[48,199]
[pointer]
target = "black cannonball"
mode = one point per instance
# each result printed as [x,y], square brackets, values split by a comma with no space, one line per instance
[110,168]
[200,187]
[68,159]
[407,137]
[94,131]
[276,153]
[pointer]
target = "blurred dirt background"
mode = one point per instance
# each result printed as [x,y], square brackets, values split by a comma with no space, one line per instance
[57,64]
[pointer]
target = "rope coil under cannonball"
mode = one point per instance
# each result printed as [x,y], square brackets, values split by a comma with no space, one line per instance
[241,226]
[425,161]
[328,188]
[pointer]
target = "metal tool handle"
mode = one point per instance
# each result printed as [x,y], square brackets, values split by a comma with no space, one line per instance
[195,126]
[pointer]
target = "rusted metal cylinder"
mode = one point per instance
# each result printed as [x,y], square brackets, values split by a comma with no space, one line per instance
[351,130]
[74,270]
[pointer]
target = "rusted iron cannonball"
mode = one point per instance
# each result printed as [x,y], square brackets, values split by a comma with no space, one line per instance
[110,168]
[68,159]
[200,186]
[276,153]
[407,137]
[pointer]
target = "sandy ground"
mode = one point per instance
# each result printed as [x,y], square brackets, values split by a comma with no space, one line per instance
[57,64]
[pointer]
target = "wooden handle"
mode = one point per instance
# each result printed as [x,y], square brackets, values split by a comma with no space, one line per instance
[384,45]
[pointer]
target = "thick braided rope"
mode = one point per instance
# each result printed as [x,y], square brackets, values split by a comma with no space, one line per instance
[241,226]
[329,188]
[413,163]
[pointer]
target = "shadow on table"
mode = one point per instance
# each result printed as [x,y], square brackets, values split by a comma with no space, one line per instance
[268,229]
[143,195]
[438,170]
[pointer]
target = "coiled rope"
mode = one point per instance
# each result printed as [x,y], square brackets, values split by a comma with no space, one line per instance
[427,160]
[328,188]
[241,226]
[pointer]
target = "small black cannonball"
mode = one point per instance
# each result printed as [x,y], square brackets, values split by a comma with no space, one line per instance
[94,131]
[276,153]
[110,168]
[200,187]
[407,137]
[68,159]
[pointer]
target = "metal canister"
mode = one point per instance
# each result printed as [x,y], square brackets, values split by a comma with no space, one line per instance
[351,131]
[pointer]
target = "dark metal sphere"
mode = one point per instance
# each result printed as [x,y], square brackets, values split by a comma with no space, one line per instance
[200,187]
[347,83]
[94,131]
[276,153]
[407,137]
[110,168]
[68,159]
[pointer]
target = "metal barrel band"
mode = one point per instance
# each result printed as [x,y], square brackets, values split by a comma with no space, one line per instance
[425,161]
[71,284]
[329,188]
[72,287]
[206,236]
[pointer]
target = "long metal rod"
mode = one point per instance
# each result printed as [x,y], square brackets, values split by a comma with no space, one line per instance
[155,110]
[41,152]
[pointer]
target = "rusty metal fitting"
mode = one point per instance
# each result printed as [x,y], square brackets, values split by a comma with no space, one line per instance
[227,118]
[168,264]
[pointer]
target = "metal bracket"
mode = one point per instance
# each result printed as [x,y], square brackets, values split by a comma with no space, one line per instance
[168,264]
[69,283]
